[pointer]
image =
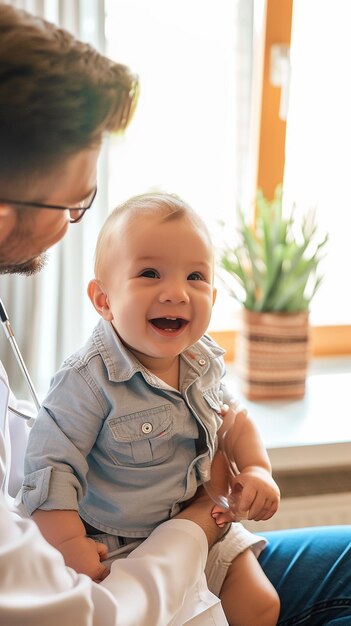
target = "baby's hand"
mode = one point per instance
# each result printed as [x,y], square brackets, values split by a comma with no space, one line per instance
[222,516]
[255,496]
[84,555]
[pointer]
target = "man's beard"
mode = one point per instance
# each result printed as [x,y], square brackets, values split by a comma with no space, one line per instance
[13,247]
[27,268]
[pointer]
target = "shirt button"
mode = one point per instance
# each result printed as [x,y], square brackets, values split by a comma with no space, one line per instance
[201,362]
[146,428]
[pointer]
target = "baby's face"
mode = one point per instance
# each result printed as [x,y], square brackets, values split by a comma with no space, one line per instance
[159,282]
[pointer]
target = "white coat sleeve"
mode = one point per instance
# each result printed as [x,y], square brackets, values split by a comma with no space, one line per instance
[147,589]
[168,570]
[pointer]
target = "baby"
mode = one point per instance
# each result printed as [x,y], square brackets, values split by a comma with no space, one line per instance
[129,428]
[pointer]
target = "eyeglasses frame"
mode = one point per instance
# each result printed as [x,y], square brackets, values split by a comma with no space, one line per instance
[60,207]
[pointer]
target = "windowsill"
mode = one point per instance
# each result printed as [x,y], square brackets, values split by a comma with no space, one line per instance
[326,341]
[312,432]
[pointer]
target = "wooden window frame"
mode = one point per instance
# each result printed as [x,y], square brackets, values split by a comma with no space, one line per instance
[269,171]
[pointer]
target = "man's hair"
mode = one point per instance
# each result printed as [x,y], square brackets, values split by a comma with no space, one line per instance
[164,205]
[57,96]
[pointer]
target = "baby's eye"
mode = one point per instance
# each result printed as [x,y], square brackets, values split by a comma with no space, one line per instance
[149,273]
[195,276]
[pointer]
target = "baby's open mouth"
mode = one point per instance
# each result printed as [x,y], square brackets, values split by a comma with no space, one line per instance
[169,323]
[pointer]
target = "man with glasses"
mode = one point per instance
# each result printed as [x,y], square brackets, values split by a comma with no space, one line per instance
[58,97]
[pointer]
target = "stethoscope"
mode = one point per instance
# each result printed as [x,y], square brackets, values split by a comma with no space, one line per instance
[11,337]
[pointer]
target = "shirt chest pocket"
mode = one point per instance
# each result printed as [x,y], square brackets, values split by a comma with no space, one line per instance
[214,400]
[141,438]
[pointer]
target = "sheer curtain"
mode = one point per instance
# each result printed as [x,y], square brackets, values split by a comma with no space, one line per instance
[50,313]
[190,135]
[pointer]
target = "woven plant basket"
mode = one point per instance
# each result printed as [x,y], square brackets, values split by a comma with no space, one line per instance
[273,352]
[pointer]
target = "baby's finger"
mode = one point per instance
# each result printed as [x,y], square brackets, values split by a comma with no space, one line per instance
[101,574]
[257,506]
[101,550]
[264,511]
[224,409]
[246,497]
[269,510]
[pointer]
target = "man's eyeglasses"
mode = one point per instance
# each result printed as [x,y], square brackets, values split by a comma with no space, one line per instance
[76,211]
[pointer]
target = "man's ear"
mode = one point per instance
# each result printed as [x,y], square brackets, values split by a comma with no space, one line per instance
[99,298]
[214,295]
[8,221]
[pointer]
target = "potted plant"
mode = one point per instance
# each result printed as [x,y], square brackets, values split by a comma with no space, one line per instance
[274,264]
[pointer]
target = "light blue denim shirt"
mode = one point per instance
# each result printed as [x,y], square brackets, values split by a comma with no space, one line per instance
[118,444]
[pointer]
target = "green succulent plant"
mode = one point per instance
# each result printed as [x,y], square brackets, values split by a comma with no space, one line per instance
[275,260]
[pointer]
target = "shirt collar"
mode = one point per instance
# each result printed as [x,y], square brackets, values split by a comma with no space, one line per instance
[199,355]
[121,364]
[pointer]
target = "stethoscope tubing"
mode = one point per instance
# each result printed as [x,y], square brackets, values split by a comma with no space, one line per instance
[11,337]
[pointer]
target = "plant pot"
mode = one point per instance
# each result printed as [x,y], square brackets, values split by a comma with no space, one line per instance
[273,352]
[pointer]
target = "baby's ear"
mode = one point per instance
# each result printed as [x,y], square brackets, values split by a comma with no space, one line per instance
[99,298]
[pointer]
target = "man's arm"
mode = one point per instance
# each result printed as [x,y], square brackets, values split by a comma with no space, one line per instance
[160,567]
[36,588]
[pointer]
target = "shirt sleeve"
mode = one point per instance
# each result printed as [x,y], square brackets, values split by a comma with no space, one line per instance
[149,587]
[64,432]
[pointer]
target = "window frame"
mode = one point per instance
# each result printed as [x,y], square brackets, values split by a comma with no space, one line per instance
[330,340]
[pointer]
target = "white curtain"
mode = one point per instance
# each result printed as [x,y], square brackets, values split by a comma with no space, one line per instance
[50,313]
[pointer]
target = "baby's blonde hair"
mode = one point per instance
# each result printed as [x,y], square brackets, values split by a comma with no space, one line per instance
[168,206]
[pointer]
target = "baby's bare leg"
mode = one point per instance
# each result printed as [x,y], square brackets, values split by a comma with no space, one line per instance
[247,596]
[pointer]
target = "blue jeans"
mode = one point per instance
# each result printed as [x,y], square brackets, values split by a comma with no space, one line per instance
[311,570]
